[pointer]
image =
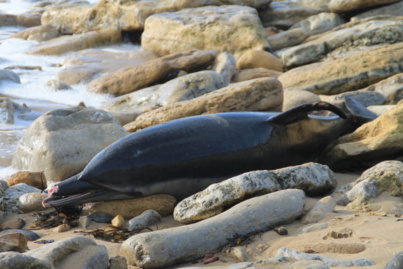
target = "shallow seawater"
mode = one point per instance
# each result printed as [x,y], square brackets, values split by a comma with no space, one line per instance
[33,90]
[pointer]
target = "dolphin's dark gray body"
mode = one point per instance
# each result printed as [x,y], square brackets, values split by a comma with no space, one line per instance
[183,156]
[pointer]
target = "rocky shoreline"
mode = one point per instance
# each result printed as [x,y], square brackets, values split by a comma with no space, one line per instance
[202,57]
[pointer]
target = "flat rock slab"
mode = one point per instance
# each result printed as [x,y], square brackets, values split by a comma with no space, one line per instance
[346,74]
[132,78]
[312,178]
[340,6]
[160,249]
[224,28]
[251,95]
[66,43]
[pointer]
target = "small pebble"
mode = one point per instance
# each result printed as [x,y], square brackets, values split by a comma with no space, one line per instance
[281,230]
[62,228]
[118,221]
[84,222]
[29,235]
[14,224]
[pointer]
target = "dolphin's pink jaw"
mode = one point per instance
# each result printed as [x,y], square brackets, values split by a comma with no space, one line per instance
[53,189]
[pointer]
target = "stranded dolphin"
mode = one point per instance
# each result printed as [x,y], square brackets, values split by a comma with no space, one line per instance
[184,156]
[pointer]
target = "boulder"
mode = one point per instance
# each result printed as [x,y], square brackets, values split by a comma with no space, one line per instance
[163,204]
[152,72]
[13,260]
[159,249]
[54,141]
[385,177]
[259,59]
[319,211]
[225,65]
[296,98]
[249,74]
[124,15]
[68,43]
[13,242]
[225,28]
[31,202]
[38,33]
[395,9]
[391,88]
[319,23]
[347,39]
[85,65]
[80,250]
[395,262]
[331,77]
[341,6]
[9,75]
[284,14]
[24,20]
[312,178]
[380,139]
[176,90]
[146,219]
[287,39]
[251,95]
[34,179]
[365,97]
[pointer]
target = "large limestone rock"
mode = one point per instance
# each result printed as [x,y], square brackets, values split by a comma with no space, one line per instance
[38,33]
[380,139]
[287,39]
[85,65]
[384,178]
[312,178]
[251,95]
[24,20]
[225,28]
[346,39]
[122,15]
[80,250]
[341,6]
[395,9]
[346,74]
[180,89]
[162,248]
[68,43]
[391,88]
[137,77]
[61,142]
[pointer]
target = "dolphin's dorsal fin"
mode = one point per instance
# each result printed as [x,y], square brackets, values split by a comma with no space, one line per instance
[301,112]
[359,112]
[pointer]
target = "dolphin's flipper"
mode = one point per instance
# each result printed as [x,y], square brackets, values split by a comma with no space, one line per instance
[301,112]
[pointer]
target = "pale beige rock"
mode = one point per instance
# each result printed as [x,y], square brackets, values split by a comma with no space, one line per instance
[381,139]
[295,98]
[257,94]
[259,59]
[319,23]
[287,39]
[137,77]
[83,66]
[225,28]
[118,221]
[319,211]
[364,69]
[176,90]
[62,228]
[61,142]
[163,204]
[31,202]
[225,64]
[65,44]
[284,14]
[341,6]
[248,74]
[25,20]
[38,33]
[345,40]
[124,15]
[13,242]
[34,179]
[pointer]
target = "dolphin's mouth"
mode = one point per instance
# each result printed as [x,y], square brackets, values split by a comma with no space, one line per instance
[55,200]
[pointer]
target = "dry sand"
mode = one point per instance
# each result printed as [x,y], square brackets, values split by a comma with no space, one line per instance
[380,233]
